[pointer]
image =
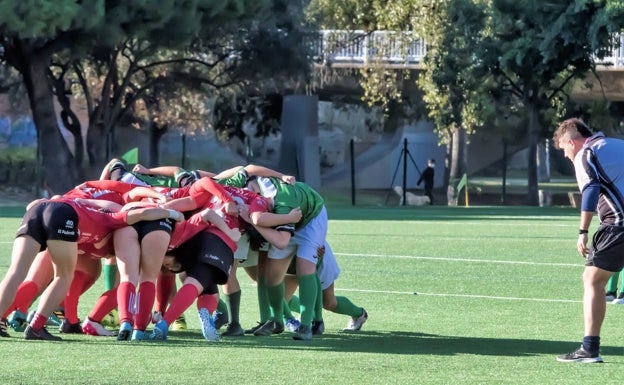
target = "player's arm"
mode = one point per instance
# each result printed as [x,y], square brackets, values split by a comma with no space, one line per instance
[162,170]
[227,173]
[141,192]
[277,237]
[255,170]
[268,219]
[152,214]
[209,215]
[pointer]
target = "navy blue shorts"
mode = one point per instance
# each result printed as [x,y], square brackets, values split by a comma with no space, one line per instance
[206,258]
[49,220]
[607,251]
[145,227]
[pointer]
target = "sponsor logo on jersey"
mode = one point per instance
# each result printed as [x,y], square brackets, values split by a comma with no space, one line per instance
[69,224]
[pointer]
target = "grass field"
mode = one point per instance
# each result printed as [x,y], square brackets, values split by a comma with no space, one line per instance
[477,295]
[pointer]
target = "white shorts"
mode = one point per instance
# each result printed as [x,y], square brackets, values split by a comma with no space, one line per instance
[306,240]
[328,271]
[245,256]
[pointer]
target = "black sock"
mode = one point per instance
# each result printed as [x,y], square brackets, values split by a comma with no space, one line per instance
[591,343]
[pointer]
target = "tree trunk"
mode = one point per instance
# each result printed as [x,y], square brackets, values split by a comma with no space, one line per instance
[534,129]
[59,168]
[457,164]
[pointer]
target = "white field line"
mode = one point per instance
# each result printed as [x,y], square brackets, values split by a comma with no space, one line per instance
[577,265]
[462,296]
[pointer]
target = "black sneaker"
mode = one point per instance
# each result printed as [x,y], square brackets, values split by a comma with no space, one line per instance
[581,355]
[221,319]
[41,334]
[269,328]
[318,327]
[303,333]
[253,329]
[611,295]
[70,328]
[233,330]
[3,328]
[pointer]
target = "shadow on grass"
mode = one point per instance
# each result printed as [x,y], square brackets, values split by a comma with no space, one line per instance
[12,211]
[401,343]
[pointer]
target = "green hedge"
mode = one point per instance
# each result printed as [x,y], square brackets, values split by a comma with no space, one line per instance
[18,167]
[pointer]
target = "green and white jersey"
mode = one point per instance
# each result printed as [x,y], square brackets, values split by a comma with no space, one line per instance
[237,180]
[299,195]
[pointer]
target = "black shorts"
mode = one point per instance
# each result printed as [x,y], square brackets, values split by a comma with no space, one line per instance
[50,220]
[187,178]
[145,227]
[607,250]
[206,258]
[117,171]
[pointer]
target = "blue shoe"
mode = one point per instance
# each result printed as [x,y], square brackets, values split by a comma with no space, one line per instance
[138,335]
[209,330]
[57,317]
[125,332]
[292,324]
[17,321]
[160,331]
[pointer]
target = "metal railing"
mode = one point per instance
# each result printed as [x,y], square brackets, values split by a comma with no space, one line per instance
[358,48]
[362,47]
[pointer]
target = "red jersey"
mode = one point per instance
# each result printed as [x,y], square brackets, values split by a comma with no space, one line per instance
[94,223]
[101,189]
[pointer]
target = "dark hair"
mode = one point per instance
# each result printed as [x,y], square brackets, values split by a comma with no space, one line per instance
[256,240]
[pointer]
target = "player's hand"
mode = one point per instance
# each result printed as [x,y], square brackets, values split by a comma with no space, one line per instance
[234,234]
[581,245]
[289,179]
[139,168]
[243,212]
[295,215]
[231,208]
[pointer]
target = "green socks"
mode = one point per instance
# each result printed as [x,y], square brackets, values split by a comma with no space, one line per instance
[109,273]
[307,296]
[232,301]
[276,300]
[346,307]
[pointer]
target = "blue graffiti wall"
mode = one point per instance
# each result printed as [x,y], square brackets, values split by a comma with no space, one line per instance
[19,132]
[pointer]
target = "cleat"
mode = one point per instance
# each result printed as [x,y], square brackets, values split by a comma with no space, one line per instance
[17,321]
[611,296]
[355,324]
[138,335]
[253,329]
[179,323]
[303,333]
[291,325]
[160,331]
[269,328]
[70,328]
[207,321]
[221,319]
[111,320]
[41,334]
[318,327]
[56,318]
[3,329]
[581,356]
[619,300]
[233,330]
[93,328]
[125,332]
